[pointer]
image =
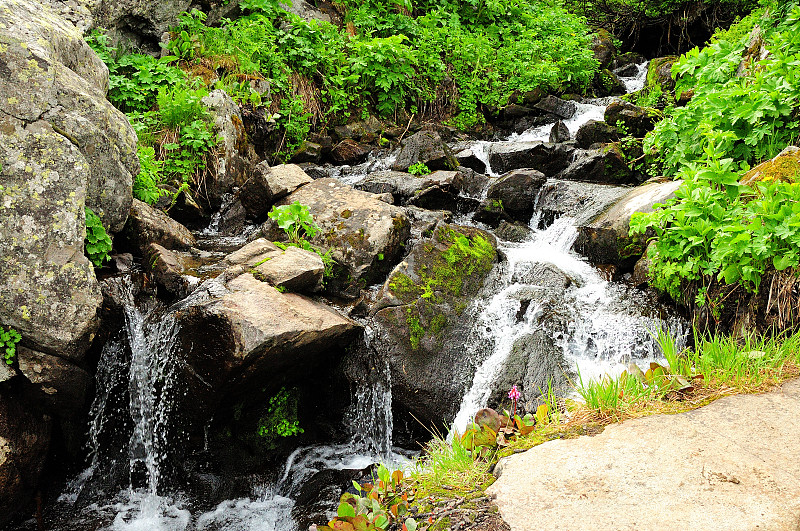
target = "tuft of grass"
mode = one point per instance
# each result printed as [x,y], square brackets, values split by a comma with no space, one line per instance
[449,466]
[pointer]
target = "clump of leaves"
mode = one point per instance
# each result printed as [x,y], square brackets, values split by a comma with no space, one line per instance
[490,429]
[147,186]
[8,343]
[419,168]
[376,505]
[295,220]
[280,419]
[97,243]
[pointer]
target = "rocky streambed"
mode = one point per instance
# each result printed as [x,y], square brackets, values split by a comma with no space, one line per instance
[148,395]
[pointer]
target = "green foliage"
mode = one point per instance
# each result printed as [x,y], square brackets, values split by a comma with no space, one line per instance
[398,58]
[293,219]
[419,168]
[8,343]
[280,419]
[147,185]
[717,228]
[295,122]
[376,506]
[757,113]
[98,242]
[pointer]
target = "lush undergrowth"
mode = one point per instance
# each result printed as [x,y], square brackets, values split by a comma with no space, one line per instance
[444,60]
[742,112]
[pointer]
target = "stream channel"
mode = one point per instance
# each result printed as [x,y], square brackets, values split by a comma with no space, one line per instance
[606,326]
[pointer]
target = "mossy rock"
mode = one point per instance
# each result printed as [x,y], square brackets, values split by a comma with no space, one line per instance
[420,318]
[785,167]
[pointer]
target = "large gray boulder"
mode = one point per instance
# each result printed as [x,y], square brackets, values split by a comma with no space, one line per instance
[48,291]
[247,330]
[421,321]
[604,165]
[579,200]
[365,235]
[403,186]
[543,156]
[268,184]
[51,74]
[426,147]
[62,146]
[605,239]
[138,23]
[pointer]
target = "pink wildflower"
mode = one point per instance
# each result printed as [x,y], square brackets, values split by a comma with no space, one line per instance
[514,394]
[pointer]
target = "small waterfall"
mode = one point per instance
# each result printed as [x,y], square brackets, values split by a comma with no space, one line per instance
[604,333]
[636,82]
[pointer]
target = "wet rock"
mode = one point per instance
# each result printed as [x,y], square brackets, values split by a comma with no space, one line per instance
[24,443]
[517,190]
[559,133]
[785,167]
[605,239]
[366,235]
[247,332]
[535,361]
[167,269]
[231,217]
[348,151]
[404,186]
[64,391]
[625,60]
[513,232]
[640,277]
[637,120]
[512,110]
[357,130]
[607,83]
[556,106]
[314,171]
[582,201]
[603,48]
[294,269]
[423,221]
[269,184]
[491,212]
[236,156]
[6,372]
[426,147]
[187,211]
[595,132]
[628,70]
[436,197]
[470,183]
[307,152]
[422,325]
[659,72]
[468,159]
[147,225]
[545,157]
[605,165]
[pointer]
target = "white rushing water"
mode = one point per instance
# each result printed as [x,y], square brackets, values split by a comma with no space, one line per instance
[606,328]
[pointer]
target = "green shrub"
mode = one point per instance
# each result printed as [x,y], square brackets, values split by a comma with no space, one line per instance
[8,343]
[147,185]
[98,242]
[280,419]
[758,113]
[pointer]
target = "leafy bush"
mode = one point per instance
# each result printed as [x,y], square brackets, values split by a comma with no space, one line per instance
[280,419]
[295,220]
[98,242]
[8,343]
[759,112]
[419,168]
[147,185]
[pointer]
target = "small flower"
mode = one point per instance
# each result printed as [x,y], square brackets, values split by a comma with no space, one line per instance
[514,394]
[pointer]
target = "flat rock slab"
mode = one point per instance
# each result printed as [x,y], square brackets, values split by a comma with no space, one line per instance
[733,465]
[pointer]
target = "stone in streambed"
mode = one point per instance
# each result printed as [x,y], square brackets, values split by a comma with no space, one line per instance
[637,120]
[605,165]
[293,269]
[559,133]
[545,157]
[561,108]
[516,191]
[579,200]
[426,147]
[147,225]
[595,132]
[269,184]
[365,235]
[605,240]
